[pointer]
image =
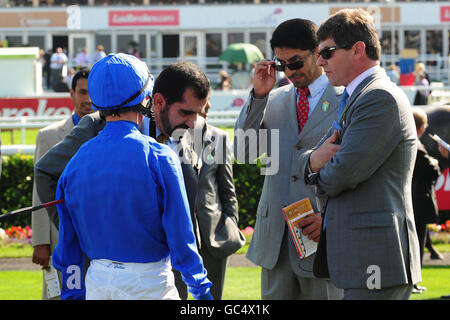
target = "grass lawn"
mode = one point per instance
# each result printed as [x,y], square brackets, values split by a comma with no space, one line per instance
[15,250]
[437,281]
[20,285]
[16,135]
[30,136]
[240,284]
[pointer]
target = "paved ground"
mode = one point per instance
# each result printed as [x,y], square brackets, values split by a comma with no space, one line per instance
[236,260]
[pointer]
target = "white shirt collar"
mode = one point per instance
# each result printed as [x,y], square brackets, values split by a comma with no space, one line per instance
[355,82]
[319,85]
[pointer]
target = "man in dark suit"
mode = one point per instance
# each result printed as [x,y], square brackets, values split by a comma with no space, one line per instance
[180,93]
[426,173]
[217,205]
[438,120]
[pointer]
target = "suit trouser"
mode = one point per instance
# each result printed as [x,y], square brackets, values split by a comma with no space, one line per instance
[282,283]
[421,229]
[216,268]
[401,292]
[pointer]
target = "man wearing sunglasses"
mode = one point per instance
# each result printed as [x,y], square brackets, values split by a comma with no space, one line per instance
[372,251]
[302,113]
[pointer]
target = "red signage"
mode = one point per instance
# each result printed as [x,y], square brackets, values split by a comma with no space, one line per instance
[443,191]
[144,18]
[445,14]
[38,106]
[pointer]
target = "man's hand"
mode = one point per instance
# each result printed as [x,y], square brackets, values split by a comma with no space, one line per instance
[264,78]
[324,153]
[41,255]
[312,226]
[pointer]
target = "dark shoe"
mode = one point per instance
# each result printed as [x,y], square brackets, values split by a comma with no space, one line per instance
[436,256]
[414,290]
[420,287]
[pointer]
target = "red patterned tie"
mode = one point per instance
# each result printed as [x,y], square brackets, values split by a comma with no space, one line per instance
[302,107]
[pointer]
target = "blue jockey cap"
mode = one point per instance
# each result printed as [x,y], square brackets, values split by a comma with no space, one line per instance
[119,80]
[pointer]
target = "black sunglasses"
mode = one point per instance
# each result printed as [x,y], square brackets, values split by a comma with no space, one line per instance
[292,66]
[327,53]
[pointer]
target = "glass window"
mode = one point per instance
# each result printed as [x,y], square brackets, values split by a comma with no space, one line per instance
[78,45]
[14,41]
[125,43]
[259,40]
[170,45]
[386,40]
[190,46]
[153,46]
[104,40]
[412,39]
[37,41]
[142,47]
[434,41]
[213,44]
[236,37]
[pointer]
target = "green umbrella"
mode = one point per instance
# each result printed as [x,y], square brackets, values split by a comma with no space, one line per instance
[241,52]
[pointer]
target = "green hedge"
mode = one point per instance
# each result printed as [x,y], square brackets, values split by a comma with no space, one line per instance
[16,187]
[248,182]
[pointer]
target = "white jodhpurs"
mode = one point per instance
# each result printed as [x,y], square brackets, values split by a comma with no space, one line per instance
[110,280]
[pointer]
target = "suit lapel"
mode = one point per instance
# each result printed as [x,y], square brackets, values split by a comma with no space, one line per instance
[208,151]
[360,88]
[65,128]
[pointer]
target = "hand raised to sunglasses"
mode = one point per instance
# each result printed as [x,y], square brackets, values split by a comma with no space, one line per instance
[264,78]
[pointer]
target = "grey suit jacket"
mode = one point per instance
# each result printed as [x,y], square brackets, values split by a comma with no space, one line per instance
[368,184]
[216,204]
[278,111]
[44,230]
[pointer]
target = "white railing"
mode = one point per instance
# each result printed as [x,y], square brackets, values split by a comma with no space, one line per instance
[224,119]
[18,148]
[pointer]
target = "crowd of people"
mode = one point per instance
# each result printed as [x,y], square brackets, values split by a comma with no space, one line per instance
[150,208]
[56,73]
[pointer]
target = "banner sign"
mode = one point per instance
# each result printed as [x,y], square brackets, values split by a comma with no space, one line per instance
[33,19]
[128,18]
[443,190]
[445,14]
[36,106]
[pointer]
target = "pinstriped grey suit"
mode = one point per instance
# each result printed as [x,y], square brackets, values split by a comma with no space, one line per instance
[370,218]
[271,245]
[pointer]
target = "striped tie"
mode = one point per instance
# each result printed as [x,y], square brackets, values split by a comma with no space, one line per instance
[302,107]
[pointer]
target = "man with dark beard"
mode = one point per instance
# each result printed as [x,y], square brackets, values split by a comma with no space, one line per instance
[180,93]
